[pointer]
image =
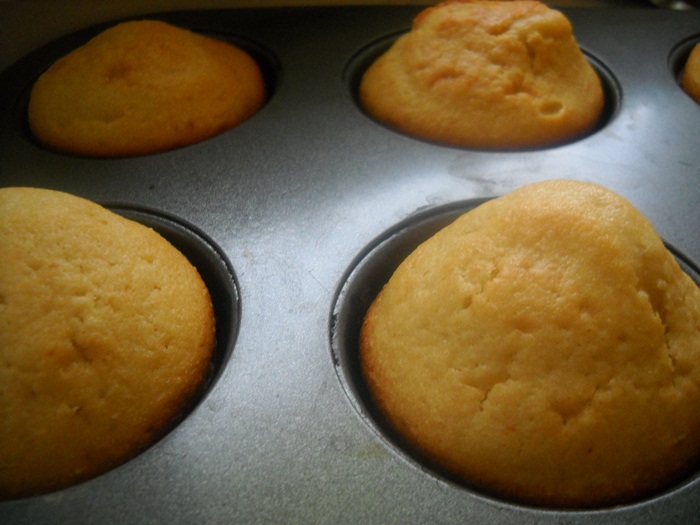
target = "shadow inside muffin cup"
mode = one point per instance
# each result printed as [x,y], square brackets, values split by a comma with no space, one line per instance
[362,282]
[365,57]
[679,56]
[33,65]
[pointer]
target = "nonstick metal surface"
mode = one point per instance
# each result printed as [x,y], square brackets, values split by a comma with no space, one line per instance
[286,214]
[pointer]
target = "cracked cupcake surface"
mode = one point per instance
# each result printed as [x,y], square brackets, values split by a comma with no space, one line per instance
[544,347]
[486,74]
[106,333]
[143,87]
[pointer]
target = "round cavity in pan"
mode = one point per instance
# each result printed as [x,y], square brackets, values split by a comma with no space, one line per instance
[679,56]
[23,74]
[365,57]
[362,282]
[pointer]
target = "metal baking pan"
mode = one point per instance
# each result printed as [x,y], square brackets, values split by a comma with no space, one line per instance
[296,216]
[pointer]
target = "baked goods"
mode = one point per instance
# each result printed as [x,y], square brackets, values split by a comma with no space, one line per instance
[142,87]
[544,347]
[106,332]
[486,74]
[691,74]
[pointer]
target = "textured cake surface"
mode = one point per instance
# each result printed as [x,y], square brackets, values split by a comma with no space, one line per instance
[546,347]
[106,332]
[142,87]
[486,74]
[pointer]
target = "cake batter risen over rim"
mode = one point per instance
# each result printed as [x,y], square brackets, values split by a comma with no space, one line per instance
[544,347]
[143,87]
[486,74]
[106,333]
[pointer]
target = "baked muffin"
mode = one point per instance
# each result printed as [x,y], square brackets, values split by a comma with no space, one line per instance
[691,74]
[544,347]
[486,74]
[106,333]
[143,87]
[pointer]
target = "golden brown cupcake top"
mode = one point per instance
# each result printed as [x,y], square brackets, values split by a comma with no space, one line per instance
[106,332]
[142,87]
[486,74]
[544,347]
[691,74]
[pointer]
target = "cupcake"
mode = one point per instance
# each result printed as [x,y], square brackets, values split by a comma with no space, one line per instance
[691,74]
[143,87]
[486,74]
[545,348]
[106,334]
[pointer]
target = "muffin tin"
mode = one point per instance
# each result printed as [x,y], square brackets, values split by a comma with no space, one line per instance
[297,217]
